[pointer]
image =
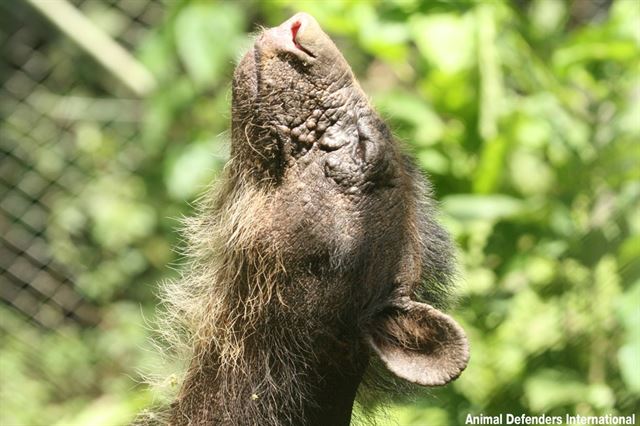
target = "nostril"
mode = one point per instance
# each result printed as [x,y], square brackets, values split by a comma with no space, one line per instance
[295,27]
[294,30]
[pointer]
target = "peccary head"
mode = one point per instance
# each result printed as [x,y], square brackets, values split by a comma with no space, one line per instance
[297,104]
[320,249]
[350,203]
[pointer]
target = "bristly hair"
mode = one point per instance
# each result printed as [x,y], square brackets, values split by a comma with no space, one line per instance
[214,314]
[218,313]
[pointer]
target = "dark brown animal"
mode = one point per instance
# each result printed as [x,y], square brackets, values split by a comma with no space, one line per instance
[318,251]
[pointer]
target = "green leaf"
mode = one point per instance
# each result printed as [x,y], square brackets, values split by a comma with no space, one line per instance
[208,37]
[445,40]
[628,310]
[595,51]
[629,360]
[482,207]
[414,111]
[530,174]
[489,171]
[383,39]
[193,168]
[433,161]
[547,17]
[491,86]
[549,389]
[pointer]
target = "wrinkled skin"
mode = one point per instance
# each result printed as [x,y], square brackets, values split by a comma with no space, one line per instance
[365,267]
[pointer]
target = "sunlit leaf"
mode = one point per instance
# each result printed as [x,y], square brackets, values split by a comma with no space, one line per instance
[549,389]
[193,168]
[483,207]
[445,40]
[199,30]
[629,358]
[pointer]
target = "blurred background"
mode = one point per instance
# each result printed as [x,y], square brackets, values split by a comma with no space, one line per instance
[526,115]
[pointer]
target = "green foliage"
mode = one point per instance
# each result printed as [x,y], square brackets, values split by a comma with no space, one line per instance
[528,125]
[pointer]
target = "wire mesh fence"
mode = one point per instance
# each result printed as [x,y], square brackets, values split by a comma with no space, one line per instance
[49,91]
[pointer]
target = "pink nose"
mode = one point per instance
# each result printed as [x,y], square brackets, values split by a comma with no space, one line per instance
[288,35]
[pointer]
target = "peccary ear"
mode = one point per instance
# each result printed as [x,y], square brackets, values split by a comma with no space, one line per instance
[419,343]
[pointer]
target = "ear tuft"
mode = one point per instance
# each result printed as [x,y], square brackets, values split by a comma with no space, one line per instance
[419,343]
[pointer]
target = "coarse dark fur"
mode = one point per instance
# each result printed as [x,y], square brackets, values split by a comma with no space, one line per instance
[309,255]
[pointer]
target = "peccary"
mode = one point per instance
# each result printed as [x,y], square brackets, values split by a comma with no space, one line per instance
[316,254]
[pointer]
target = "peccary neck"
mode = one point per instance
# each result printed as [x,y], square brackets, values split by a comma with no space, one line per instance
[334,398]
[272,388]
